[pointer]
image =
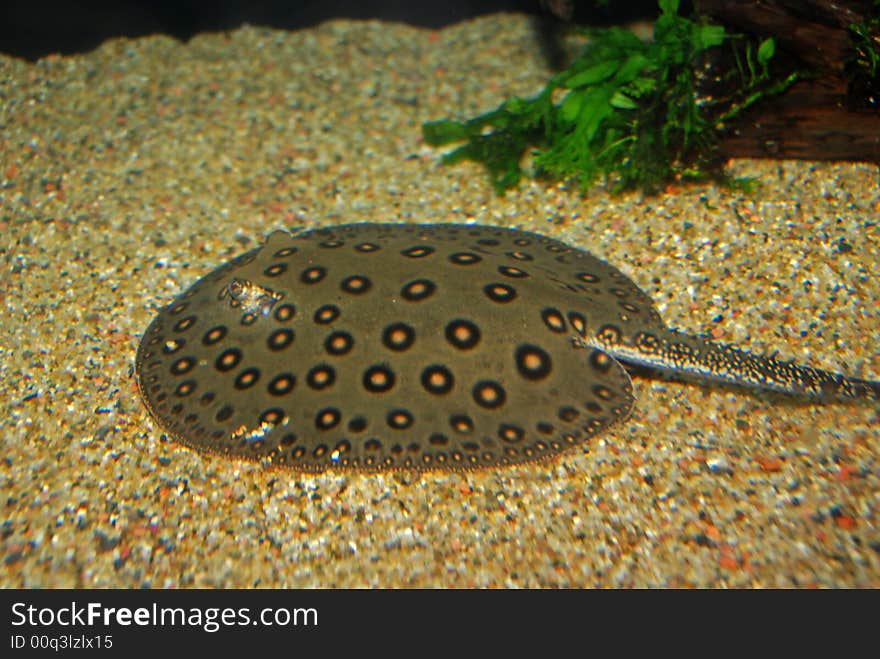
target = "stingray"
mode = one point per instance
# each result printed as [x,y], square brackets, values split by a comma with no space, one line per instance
[401,346]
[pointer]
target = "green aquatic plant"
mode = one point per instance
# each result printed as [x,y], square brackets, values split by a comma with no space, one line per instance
[866,44]
[625,110]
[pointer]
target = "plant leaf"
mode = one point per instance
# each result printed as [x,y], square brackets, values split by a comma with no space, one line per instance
[766,51]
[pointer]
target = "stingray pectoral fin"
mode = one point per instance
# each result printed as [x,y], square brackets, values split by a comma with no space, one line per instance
[690,356]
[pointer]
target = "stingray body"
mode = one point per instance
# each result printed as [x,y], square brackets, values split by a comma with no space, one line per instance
[383,346]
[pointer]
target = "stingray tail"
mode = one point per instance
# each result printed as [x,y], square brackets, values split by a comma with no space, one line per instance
[691,355]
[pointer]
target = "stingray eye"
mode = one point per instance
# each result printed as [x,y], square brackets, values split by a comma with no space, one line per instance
[236,289]
[249,297]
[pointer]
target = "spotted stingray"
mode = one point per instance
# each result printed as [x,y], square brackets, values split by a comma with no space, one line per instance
[383,346]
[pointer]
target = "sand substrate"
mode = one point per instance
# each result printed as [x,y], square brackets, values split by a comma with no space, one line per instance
[131,171]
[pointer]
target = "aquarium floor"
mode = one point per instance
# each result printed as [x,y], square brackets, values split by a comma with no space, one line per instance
[129,172]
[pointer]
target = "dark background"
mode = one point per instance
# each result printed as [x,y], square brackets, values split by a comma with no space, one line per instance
[35,28]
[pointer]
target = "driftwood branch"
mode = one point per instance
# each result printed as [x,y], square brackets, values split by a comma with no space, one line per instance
[833,115]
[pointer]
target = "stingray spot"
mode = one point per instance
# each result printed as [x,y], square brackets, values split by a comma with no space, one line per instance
[619,292]
[609,334]
[298,453]
[378,379]
[214,335]
[184,324]
[520,256]
[629,306]
[172,345]
[594,425]
[472,447]
[288,440]
[275,270]
[313,274]
[418,251]
[500,293]
[418,290]
[285,313]
[532,362]
[464,258]
[224,414]
[602,392]
[207,398]
[600,361]
[438,439]
[511,433]
[332,243]
[320,451]
[273,416]
[357,424]
[593,407]
[647,342]
[544,428]
[327,418]
[321,377]
[489,394]
[278,340]
[522,242]
[284,252]
[437,379]
[356,285]
[587,277]
[398,337]
[247,378]
[367,248]
[568,414]
[185,388]
[339,343]
[372,445]
[178,308]
[578,322]
[183,365]
[399,419]
[462,334]
[513,273]
[461,423]
[553,319]
[282,384]
[326,314]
